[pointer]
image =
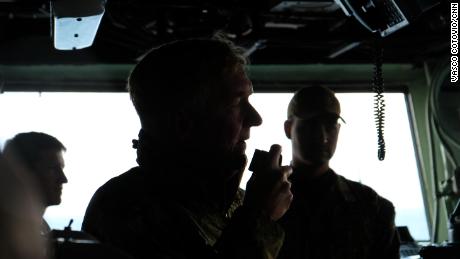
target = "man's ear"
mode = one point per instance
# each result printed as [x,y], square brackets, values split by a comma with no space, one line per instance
[287,128]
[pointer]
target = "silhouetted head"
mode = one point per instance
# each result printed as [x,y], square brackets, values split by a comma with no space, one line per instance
[312,125]
[192,99]
[41,155]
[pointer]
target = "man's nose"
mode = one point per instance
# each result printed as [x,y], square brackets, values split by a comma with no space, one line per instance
[253,117]
[62,177]
[324,137]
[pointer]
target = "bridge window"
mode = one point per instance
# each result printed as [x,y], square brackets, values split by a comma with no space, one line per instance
[97,129]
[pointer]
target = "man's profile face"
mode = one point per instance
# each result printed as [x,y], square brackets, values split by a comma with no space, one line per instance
[50,175]
[233,116]
[314,140]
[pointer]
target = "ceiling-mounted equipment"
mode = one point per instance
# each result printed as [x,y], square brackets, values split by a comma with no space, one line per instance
[75,22]
[304,6]
[385,16]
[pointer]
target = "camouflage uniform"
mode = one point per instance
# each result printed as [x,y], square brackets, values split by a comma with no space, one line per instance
[335,218]
[170,219]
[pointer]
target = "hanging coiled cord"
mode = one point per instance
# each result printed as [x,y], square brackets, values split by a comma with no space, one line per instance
[379,102]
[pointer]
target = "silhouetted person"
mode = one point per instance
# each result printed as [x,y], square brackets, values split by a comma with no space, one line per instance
[41,156]
[183,200]
[20,218]
[37,160]
[330,217]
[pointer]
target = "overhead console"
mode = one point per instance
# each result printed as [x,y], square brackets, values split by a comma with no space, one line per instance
[385,16]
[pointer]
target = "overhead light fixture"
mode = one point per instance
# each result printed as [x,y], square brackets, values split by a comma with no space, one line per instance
[343,49]
[304,6]
[75,22]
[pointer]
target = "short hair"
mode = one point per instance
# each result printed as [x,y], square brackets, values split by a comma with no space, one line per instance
[178,77]
[27,146]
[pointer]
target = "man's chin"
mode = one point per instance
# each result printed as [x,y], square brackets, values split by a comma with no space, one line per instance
[237,163]
[240,161]
[54,203]
[317,161]
[233,166]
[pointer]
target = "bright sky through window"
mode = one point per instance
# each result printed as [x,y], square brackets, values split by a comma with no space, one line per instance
[97,129]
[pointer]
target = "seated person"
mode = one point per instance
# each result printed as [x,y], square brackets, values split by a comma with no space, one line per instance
[41,156]
[330,217]
[38,156]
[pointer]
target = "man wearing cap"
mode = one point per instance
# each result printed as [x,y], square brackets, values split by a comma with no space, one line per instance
[330,216]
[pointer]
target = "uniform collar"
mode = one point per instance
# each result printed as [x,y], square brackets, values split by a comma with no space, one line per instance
[343,188]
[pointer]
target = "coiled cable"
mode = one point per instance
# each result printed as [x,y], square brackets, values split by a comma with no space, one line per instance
[379,102]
